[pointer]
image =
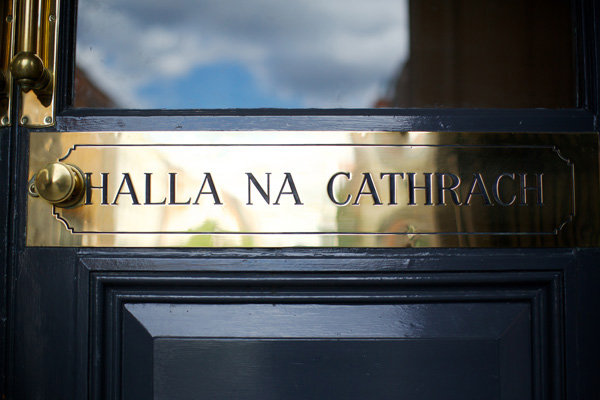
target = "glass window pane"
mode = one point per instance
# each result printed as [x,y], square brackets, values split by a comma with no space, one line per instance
[186,54]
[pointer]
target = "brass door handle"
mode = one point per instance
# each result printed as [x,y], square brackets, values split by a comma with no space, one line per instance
[29,72]
[6,51]
[60,184]
[33,65]
[27,67]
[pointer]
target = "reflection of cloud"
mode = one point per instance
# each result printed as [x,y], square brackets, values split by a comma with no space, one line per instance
[325,53]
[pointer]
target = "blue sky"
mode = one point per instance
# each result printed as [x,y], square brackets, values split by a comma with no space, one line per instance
[217,85]
[241,54]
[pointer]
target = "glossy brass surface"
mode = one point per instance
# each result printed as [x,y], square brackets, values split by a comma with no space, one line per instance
[322,189]
[59,184]
[33,66]
[30,73]
[6,51]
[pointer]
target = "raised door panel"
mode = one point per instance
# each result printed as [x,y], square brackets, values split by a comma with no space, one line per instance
[221,328]
[325,351]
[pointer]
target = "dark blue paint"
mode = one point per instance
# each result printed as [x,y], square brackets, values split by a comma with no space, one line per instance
[65,307]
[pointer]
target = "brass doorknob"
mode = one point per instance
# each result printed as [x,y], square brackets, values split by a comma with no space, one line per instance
[59,184]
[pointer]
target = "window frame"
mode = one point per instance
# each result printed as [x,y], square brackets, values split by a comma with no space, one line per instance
[582,118]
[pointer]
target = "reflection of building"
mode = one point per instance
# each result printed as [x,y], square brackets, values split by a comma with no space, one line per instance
[88,94]
[385,217]
[491,54]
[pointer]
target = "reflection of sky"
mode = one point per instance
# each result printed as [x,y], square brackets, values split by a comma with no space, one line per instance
[239,53]
[231,181]
[205,86]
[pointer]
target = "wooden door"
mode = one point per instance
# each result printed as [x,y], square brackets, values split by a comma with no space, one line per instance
[298,323]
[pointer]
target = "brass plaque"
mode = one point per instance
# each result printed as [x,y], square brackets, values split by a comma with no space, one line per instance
[321,189]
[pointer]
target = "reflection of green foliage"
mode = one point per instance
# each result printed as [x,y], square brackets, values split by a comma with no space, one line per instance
[347,219]
[247,241]
[349,241]
[347,222]
[206,240]
[421,243]
[203,240]
[415,240]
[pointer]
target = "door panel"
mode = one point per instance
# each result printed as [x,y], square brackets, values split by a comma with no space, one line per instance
[447,327]
[318,369]
[317,351]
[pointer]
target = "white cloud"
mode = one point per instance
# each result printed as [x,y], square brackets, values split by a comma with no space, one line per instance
[329,53]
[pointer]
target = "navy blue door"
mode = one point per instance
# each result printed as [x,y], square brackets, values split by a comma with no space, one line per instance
[298,323]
